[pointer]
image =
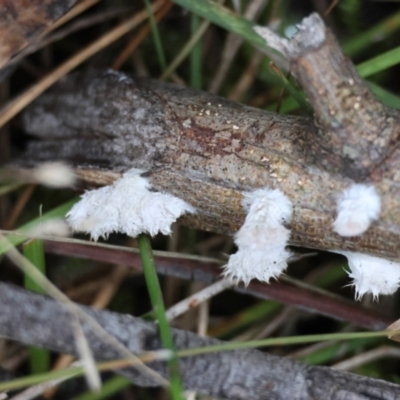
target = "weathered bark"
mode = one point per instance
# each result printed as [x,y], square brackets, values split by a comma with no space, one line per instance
[239,374]
[203,149]
[356,133]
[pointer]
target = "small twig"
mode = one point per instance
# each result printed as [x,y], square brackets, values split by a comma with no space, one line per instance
[331,7]
[85,354]
[79,8]
[198,298]
[19,206]
[276,322]
[204,316]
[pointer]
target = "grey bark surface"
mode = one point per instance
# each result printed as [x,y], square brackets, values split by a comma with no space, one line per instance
[240,374]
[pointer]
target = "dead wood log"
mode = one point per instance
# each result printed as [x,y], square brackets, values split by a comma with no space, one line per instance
[207,150]
[240,374]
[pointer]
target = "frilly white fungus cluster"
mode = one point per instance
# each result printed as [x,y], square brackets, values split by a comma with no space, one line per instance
[126,206]
[357,207]
[372,274]
[262,239]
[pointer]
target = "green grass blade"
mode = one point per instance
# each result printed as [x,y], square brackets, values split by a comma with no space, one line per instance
[387,98]
[379,63]
[156,36]
[224,18]
[153,286]
[108,365]
[195,57]
[61,374]
[34,252]
[281,341]
[297,95]
[36,379]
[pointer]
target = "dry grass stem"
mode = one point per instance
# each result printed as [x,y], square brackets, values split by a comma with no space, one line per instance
[19,206]
[140,36]
[231,47]
[198,298]
[367,357]
[247,78]
[79,8]
[108,287]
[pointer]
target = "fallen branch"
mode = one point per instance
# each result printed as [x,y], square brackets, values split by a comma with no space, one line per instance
[207,150]
[238,374]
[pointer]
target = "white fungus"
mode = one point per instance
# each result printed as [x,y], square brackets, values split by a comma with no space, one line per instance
[370,274]
[262,239]
[357,207]
[126,206]
[52,227]
[54,174]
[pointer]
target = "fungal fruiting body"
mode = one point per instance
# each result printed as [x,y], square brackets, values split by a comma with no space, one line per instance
[127,206]
[262,239]
[357,207]
[372,274]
